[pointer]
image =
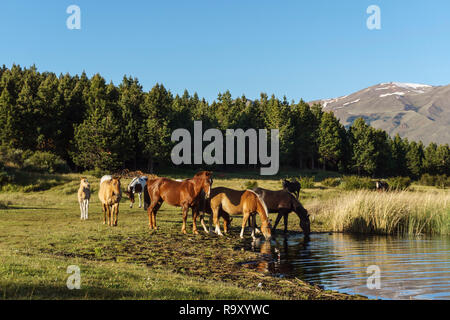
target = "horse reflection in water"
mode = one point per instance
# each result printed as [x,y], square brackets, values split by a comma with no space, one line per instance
[272,261]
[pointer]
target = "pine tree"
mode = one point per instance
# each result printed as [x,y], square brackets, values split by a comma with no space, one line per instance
[414,159]
[156,131]
[365,154]
[330,140]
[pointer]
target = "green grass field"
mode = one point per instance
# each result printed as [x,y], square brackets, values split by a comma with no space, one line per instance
[41,234]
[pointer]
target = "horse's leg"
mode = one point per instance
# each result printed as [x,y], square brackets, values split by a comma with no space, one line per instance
[87,209]
[194,218]
[216,220]
[116,211]
[277,221]
[285,216]
[202,221]
[155,210]
[81,209]
[150,212]
[140,201]
[104,213]
[253,219]
[244,223]
[108,211]
[185,210]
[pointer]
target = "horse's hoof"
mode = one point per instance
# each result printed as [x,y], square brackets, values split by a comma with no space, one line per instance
[195,232]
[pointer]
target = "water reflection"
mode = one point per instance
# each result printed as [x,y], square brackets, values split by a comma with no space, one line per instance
[411,268]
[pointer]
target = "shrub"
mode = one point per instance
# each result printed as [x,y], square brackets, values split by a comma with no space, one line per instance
[357,183]
[251,185]
[427,180]
[331,182]
[45,162]
[440,181]
[14,157]
[399,183]
[5,177]
[307,182]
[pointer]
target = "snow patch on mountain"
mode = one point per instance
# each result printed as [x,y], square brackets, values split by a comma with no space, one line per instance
[392,94]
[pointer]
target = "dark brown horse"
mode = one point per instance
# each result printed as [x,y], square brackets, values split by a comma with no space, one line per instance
[283,203]
[184,194]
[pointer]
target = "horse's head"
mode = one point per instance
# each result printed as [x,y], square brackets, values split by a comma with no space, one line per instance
[130,195]
[304,220]
[206,181]
[266,229]
[115,186]
[84,183]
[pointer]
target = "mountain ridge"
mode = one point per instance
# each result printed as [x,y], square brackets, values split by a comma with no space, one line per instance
[418,112]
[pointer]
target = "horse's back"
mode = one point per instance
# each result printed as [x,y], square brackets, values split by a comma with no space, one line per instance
[276,199]
[105,178]
[106,193]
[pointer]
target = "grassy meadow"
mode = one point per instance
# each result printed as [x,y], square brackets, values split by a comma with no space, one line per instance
[41,234]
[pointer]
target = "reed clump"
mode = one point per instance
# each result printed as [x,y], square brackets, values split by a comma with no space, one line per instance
[398,212]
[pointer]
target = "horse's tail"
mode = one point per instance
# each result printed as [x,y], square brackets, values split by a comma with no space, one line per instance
[147,200]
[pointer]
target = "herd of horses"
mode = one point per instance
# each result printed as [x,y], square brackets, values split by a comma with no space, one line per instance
[198,195]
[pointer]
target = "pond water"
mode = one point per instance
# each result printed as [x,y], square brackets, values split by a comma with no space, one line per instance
[410,267]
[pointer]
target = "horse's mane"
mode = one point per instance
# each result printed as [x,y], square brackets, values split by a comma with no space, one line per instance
[262,202]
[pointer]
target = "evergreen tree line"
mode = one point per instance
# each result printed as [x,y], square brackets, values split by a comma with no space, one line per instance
[93,124]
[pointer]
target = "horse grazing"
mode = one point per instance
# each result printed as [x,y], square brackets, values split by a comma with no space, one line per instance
[84,194]
[382,186]
[137,185]
[283,203]
[235,202]
[292,187]
[110,195]
[185,194]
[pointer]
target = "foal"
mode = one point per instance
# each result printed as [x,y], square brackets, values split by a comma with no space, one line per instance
[84,194]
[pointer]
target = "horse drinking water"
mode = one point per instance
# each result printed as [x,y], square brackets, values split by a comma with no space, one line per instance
[137,185]
[110,195]
[84,194]
[234,202]
[283,203]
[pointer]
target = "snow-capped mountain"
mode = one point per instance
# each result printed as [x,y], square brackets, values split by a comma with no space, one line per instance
[416,111]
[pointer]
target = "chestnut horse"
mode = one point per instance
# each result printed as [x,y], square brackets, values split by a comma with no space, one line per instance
[110,195]
[185,194]
[235,202]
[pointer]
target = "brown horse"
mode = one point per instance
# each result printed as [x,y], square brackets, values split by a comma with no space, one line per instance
[283,203]
[185,194]
[110,195]
[236,202]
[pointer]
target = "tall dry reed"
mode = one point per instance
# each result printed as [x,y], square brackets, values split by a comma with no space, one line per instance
[386,213]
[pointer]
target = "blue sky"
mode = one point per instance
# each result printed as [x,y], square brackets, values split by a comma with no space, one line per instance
[301,49]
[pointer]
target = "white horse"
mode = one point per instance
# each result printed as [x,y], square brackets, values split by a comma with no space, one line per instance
[137,185]
[84,194]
